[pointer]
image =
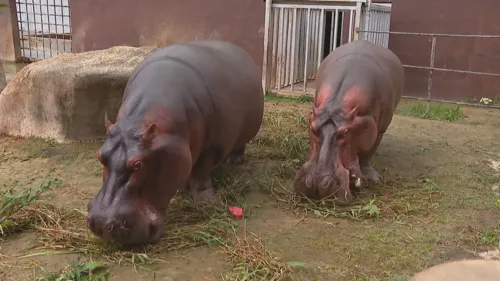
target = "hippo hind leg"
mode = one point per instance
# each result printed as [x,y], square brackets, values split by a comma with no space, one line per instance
[201,179]
[369,173]
[237,156]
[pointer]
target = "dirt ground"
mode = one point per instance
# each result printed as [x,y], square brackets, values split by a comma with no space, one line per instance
[438,202]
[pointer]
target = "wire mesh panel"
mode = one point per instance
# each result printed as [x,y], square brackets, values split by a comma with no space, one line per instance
[376,17]
[44,28]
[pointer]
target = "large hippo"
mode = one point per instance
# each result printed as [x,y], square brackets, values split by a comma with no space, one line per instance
[186,108]
[358,88]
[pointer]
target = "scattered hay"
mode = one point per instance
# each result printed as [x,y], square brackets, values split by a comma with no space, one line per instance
[186,226]
[391,198]
[253,262]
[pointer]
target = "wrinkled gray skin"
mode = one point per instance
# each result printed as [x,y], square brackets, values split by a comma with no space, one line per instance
[359,86]
[186,108]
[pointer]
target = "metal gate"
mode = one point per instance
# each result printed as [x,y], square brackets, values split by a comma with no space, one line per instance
[376,17]
[299,35]
[44,28]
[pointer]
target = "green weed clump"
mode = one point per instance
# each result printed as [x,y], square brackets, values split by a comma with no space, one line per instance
[13,202]
[433,111]
[80,271]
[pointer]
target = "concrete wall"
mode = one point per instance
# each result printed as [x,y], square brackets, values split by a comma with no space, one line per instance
[9,35]
[453,17]
[98,24]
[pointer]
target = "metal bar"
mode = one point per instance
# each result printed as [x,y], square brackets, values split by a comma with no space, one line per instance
[432,34]
[336,29]
[357,21]
[342,29]
[307,47]
[321,38]
[48,26]
[28,23]
[351,27]
[331,31]
[452,70]
[266,45]
[314,43]
[431,63]
[288,50]
[367,18]
[283,48]
[325,7]
[388,28]
[57,31]
[454,102]
[275,46]
[280,40]
[292,70]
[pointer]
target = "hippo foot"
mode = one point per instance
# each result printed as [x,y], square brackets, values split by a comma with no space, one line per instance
[236,157]
[370,174]
[206,196]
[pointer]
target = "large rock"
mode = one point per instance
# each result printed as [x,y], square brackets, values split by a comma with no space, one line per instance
[65,97]
[464,270]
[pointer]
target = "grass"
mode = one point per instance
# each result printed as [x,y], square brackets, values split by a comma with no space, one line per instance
[15,201]
[79,271]
[273,97]
[436,111]
[407,201]
[491,237]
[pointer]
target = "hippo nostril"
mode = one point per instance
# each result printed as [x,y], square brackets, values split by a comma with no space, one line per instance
[94,226]
[325,182]
[110,226]
[155,232]
[309,181]
[152,229]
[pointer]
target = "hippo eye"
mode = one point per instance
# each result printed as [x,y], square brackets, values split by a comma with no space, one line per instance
[137,165]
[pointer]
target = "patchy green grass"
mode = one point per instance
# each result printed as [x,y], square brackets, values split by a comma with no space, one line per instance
[79,271]
[491,237]
[14,200]
[436,111]
[273,97]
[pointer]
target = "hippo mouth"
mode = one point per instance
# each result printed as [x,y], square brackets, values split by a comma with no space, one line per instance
[337,184]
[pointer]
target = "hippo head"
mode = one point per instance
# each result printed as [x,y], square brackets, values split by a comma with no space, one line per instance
[142,170]
[333,166]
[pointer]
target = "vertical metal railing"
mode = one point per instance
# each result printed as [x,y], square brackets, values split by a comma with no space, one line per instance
[376,17]
[295,40]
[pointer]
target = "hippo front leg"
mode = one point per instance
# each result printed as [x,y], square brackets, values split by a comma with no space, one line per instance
[369,173]
[237,156]
[201,179]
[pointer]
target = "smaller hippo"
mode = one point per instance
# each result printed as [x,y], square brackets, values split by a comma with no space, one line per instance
[186,108]
[359,86]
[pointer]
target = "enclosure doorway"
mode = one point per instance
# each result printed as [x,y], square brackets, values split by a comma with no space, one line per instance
[299,35]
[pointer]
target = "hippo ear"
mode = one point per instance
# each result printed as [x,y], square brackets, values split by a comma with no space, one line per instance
[107,123]
[350,116]
[149,133]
